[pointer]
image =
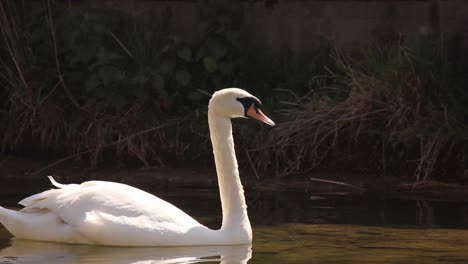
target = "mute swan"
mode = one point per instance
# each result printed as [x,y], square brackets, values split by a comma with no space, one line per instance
[109,213]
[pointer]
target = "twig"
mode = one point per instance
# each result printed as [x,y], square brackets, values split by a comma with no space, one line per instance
[204,92]
[121,45]
[57,62]
[251,164]
[50,92]
[338,183]
[6,28]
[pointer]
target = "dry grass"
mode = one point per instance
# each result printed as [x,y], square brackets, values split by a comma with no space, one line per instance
[390,118]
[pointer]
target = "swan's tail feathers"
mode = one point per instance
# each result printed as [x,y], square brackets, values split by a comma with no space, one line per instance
[3,214]
[56,184]
[12,221]
[7,217]
[38,225]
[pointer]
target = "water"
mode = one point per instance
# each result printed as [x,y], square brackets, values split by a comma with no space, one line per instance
[294,227]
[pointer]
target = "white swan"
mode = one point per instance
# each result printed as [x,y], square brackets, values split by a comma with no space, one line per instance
[109,213]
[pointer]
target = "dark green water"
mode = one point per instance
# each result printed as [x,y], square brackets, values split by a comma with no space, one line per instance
[294,227]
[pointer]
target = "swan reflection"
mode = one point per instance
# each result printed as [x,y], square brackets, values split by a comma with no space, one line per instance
[24,251]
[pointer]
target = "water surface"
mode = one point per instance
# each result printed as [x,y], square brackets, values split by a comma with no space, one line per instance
[290,227]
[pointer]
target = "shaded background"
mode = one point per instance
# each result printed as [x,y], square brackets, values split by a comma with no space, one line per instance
[361,87]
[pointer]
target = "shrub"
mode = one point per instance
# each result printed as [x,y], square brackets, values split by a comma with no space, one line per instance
[396,109]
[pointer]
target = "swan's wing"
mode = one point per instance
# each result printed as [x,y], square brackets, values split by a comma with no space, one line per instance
[103,212]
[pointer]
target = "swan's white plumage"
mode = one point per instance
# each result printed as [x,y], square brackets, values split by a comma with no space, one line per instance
[99,212]
[108,213]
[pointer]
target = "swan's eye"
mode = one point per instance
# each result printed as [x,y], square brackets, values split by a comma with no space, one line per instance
[248,102]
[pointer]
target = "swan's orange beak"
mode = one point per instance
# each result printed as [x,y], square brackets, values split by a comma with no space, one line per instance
[256,114]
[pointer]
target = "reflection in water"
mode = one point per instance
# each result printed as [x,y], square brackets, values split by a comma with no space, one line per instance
[25,251]
[288,243]
[293,227]
[273,208]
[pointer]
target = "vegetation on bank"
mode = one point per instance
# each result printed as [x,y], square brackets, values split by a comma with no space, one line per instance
[101,84]
[396,110]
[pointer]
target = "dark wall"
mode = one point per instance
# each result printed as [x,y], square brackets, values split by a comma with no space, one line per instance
[298,25]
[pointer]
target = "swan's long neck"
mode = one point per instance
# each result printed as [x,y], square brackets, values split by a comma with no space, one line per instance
[235,216]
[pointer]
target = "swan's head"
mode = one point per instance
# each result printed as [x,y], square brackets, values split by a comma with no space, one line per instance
[235,102]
